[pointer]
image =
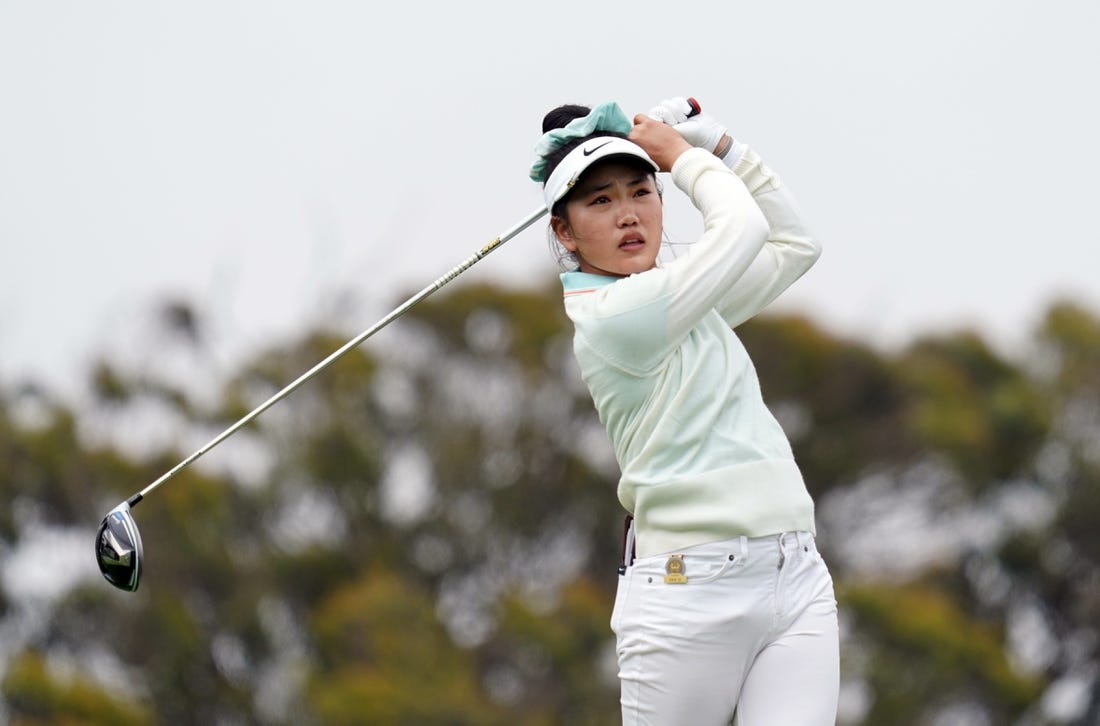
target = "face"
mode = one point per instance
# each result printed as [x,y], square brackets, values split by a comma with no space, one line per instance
[614,220]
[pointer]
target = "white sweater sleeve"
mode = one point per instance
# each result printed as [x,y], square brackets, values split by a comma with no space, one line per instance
[789,252]
[635,323]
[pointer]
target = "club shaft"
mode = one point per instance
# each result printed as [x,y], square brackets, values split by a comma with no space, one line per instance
[357,340]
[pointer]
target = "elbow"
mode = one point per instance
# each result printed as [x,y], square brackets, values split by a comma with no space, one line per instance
[813,252]
[808,254]
[801,252]
[805,247]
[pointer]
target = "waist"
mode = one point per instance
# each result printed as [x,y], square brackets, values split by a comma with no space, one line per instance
[741,548]
[753,500]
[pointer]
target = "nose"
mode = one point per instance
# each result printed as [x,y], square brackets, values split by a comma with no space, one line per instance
[628,217]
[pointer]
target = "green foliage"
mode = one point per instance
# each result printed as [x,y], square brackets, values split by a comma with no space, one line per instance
[985,415]
[108,385]
[303,594]
[36,697]
[530,320]
[928,650]
[559,656]
[1071,336]
[8,480]
[384,658]
[852,401]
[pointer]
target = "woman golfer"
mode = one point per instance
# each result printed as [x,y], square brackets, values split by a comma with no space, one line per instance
[726,606]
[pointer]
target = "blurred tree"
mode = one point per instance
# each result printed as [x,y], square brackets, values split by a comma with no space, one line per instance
[985,415]
[428,531]
[924,652]
[383,657]
[553,662]
[840,402]
[1056,570]
[39,698]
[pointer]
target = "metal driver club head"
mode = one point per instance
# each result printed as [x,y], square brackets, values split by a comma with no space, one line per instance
[118,544]
[118,548]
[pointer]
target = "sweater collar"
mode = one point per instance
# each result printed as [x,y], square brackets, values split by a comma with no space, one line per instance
[573,281]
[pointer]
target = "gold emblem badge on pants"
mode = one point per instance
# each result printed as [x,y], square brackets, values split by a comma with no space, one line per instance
[675,572]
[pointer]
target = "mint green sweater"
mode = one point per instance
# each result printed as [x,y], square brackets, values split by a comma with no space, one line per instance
[702,458]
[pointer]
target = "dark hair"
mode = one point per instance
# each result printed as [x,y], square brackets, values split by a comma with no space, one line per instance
[557,118]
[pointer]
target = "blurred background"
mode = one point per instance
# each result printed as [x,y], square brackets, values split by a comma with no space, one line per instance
[198,203]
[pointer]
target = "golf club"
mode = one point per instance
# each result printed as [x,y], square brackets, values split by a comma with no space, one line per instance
[118,543]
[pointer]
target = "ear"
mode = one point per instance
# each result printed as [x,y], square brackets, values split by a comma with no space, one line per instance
[564,233]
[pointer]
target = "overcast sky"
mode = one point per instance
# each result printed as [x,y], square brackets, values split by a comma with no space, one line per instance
[260,158]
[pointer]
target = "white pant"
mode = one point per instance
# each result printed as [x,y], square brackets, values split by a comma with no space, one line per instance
[753,628]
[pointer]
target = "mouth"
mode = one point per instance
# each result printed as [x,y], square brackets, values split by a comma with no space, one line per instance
[632,244]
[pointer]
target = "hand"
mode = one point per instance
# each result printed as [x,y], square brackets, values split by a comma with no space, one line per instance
[662,142]
[701,130]
[672,111]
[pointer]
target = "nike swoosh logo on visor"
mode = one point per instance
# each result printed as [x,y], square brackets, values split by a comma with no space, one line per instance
[589,152]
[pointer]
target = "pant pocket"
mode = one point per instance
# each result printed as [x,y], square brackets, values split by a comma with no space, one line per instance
[698,569]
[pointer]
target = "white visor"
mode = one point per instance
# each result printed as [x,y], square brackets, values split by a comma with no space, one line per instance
[576,161]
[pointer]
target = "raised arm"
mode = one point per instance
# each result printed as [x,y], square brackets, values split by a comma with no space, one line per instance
[753,246]
[790,250]
[636,322]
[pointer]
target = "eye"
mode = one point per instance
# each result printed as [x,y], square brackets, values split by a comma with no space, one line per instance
[643,191]
[602,199]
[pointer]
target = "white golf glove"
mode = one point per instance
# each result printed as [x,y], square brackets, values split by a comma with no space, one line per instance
[701,130]
[671,111]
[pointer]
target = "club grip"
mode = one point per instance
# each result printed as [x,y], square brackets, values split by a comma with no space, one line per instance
[696,109]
